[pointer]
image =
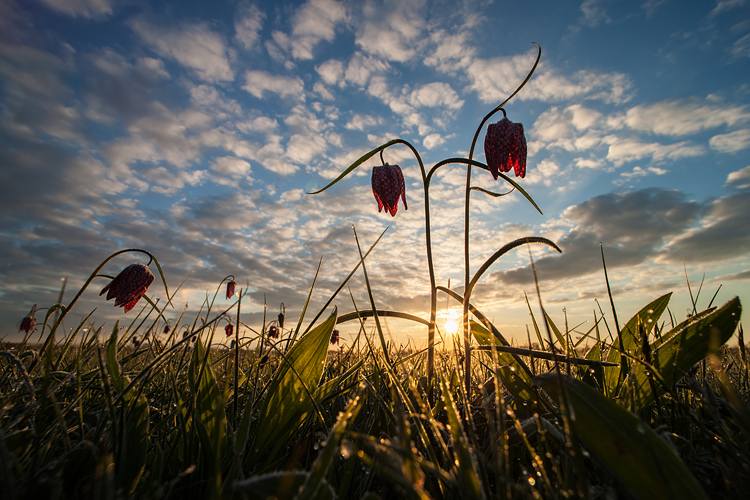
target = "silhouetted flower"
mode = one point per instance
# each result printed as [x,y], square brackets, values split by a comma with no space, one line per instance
[505,148]
[167,328]
[234,343]
[281,320]
[273,332]
[29,322]
[230,288]
[129,286]
[229,329]
[335,337]
[136,343]
[388,186]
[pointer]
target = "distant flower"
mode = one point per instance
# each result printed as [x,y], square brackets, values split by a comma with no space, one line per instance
[136,343]
[129,286]
[281,320]
[230,288]
[505,148]
[234,343]
[28,324]
[335,337]
[167,328]
[195,338]
[229,329]
[388,186]
[273,332]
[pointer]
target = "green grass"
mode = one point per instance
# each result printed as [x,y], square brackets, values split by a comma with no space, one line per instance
[87,417]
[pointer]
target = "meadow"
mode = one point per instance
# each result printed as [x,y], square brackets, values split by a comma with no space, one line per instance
[209,406]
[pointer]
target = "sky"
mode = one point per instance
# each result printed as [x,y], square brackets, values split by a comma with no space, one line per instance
[195,131]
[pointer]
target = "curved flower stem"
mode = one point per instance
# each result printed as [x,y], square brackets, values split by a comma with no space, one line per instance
[467,270]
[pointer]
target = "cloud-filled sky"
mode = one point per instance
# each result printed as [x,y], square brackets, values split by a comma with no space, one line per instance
[195,130]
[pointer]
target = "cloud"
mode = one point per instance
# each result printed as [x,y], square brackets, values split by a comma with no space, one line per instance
[495,79]
[391,30]
[314,21]
[331,71]
[731,142]
[437,94]
[81,8]
[259,82]
[248,22]
[739,179]
[230,169]
[194,46]
[682,117]
[632,226]
[361,67]
[433,140]
[622,150]
[718,236]
[593,13]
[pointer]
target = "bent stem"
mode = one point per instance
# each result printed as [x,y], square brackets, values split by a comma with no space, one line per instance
[467,270]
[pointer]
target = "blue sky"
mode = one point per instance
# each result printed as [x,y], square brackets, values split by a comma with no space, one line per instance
[195,129]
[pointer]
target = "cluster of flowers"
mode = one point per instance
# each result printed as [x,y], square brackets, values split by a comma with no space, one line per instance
[504,149]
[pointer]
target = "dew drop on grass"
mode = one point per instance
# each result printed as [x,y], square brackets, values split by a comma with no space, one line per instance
[532,481]
[347,450]
[641,428]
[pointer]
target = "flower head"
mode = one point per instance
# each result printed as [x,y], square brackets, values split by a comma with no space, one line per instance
[281,320]
[129,286]
[167,328]
[388,186]
[229,329]
[230,288]
[505,148]
[29,322]
[273,332]
[335,337]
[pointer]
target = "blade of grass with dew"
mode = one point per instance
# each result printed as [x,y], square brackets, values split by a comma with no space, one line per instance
[692,343]
[133,451]
[287,404]
[634,453]
[648,316]
[210,418]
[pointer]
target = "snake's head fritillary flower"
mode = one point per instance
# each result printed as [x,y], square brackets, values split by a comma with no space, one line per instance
[231,284]
[229,329]
[167,328]
[273,332]
[335,337]
[281,320]
[136,342]
[129,286]
[28,324]
[388,186]
[505,148]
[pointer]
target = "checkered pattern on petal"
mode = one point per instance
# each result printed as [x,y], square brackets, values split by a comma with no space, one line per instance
[388,186]
[129,286]
[505,148]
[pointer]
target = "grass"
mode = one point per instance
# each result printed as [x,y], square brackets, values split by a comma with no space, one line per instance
[93,416]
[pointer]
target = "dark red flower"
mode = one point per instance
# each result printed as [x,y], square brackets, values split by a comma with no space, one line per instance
[335,337]
[135,341]
[388,186]
[28,324]
[273,332]
[229,329]
[230,288]
[129,286]
[505,148]
[166,328]
[281,320]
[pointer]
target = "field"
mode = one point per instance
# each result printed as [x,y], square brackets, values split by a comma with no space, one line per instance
[654,408]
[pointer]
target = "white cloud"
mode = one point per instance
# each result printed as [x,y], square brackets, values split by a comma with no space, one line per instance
[193,45]
[682,117]
[81,8]
[433,140]
[360,122]
[316,20]
[434,95]
[259,82]
[230,169]
[739,179]
[258,124]
[390,31]
[362,67]
[331,71]
[593,13]
[731,142]
[622,150]
[248,23]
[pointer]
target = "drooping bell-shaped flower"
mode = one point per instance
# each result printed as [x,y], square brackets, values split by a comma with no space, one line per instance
[388,186]
[231,284]
[335,337]
[29,322]
[129,286]
[229,329]
[273,332]
[281,320]
[505,148]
